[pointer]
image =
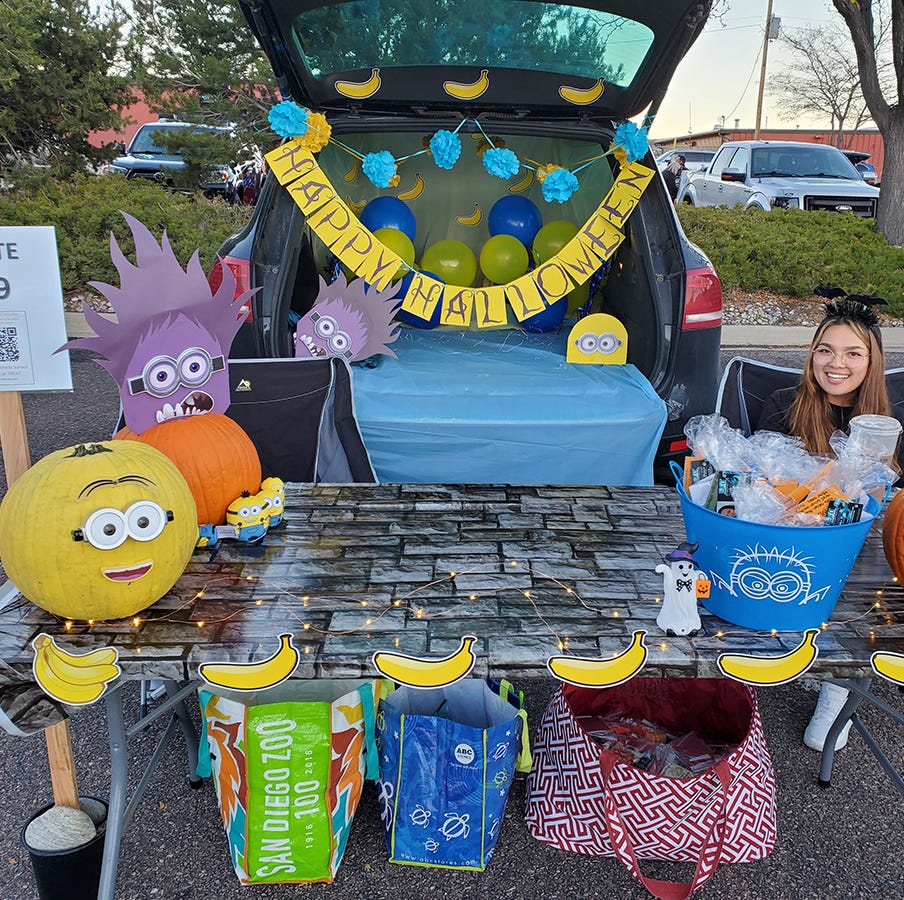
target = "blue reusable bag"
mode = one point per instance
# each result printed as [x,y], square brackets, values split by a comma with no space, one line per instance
[447,759]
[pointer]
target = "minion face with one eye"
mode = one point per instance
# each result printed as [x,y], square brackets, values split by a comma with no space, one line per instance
[599,338]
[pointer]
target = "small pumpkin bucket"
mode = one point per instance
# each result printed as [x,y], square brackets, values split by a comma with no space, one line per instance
[772,577]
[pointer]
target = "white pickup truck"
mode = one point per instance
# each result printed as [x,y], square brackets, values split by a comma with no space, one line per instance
[785,174]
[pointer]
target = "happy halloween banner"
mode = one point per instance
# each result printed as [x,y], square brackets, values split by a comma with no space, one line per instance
[333,221]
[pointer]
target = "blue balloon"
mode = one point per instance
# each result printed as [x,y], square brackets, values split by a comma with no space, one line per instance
[389,212]
[516,216]
[409,318]
[548,319]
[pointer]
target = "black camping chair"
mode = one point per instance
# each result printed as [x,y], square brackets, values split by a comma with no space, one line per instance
[747,383]
[300,415]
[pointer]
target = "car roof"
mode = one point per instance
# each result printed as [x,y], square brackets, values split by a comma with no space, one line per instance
[789,144]
[598,57]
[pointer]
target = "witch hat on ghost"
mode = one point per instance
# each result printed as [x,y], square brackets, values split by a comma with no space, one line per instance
[683,551]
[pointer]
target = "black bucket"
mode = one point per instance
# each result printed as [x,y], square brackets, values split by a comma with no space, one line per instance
[72,874]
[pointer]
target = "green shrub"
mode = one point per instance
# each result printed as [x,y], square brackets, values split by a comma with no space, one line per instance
[791,251]
[85,209]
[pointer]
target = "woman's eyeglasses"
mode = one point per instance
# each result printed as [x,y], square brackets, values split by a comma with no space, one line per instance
[853,359]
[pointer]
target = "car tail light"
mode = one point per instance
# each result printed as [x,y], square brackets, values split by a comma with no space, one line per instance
[241,269]
[702,299]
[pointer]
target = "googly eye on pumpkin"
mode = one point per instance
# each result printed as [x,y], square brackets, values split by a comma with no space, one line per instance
[145,520]
[105,529]
[276,501]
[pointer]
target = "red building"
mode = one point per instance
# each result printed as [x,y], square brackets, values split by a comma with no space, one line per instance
[132,118]
[866,140]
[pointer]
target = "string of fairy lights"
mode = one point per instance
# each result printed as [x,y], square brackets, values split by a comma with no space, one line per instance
[372,615]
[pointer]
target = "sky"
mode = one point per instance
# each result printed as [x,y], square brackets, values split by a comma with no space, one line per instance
[721,73]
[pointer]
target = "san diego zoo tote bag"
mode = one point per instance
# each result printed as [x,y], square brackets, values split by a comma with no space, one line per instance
[288,765]
[587,799]
[447,760]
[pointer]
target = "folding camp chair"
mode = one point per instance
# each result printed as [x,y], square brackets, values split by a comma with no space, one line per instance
[300,415]
[747,383]
[745,387]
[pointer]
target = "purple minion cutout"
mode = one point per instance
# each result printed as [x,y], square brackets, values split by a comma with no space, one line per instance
[347,322]
[168,348]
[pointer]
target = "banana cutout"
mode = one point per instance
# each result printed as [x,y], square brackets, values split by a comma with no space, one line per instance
[468,90]
[360,90]
[352,173]
[417,672]
[520,186]
[771,670]
[582,96]
[587,671]
[475,218]
[73,678]
[254,676]
[355,205]
[413,192]
[888,665]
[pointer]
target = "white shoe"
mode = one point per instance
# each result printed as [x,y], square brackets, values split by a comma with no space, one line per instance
[831,699]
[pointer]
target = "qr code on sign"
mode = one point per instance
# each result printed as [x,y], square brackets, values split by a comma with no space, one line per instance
[9,344]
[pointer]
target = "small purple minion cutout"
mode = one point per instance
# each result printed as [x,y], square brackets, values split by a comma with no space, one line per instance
[168,348]
[347,322]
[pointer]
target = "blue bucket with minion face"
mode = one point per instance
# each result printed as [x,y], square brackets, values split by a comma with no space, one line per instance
[766,577]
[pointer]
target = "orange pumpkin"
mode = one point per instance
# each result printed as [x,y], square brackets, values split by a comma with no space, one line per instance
[215,456]
[893,535]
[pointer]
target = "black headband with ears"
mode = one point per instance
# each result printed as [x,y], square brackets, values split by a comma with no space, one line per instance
[856,307]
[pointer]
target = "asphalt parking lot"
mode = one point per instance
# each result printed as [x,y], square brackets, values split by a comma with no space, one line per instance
[840,842]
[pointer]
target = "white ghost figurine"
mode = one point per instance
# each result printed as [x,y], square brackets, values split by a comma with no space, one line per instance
[679,614]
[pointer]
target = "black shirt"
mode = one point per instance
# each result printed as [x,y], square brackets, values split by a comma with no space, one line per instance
[774,417]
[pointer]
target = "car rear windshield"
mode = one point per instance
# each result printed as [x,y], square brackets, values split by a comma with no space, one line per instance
[549,37]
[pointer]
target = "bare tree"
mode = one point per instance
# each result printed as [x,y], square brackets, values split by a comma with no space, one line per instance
[822,79]
[886,109]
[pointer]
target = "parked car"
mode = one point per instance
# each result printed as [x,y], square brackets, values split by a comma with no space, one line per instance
[694,160]
[660,286]
[781,174]
[148,157]
[867,170]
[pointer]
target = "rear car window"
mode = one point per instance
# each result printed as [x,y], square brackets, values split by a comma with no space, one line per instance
[549,37]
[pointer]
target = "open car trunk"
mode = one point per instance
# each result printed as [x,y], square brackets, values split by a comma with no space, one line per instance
[456,400]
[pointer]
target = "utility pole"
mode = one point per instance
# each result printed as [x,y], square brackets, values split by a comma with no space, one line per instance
[759,97]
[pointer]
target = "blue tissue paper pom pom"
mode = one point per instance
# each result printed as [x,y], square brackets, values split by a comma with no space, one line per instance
[379,168]
[288,119]
[559,185]
[446,148]
[501,162]
[633,140]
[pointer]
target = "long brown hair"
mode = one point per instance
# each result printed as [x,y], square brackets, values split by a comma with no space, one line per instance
[809,416]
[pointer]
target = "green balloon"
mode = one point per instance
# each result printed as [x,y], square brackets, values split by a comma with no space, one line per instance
[400,244]
[503,258]
[551,238]
[453,262]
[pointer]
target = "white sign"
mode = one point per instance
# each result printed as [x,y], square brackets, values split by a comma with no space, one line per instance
[32,321]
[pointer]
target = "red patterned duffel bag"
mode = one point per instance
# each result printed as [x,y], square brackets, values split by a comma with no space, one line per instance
[581,797]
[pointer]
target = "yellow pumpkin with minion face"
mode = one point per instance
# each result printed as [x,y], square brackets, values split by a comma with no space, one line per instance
[98,531]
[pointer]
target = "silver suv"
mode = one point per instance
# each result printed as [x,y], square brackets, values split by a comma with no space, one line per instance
[784,174]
